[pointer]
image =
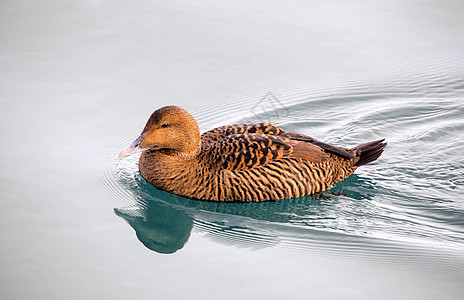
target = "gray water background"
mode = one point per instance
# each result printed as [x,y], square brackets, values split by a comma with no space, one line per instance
[78,79]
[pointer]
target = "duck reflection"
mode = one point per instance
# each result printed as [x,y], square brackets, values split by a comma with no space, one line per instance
[159,226]
[163,222]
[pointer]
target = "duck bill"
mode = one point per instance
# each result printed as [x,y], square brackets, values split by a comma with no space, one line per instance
[133,148]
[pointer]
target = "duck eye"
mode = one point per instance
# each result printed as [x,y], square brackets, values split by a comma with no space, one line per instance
[164,125]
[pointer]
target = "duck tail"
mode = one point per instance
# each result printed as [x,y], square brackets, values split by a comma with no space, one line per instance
[369,152]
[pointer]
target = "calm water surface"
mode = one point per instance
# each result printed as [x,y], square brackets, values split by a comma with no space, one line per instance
[79,80]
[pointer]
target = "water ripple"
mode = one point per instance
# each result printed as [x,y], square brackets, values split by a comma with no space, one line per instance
[406,201]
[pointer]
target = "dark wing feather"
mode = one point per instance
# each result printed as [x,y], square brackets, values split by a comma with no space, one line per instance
[217,134]
[246,151]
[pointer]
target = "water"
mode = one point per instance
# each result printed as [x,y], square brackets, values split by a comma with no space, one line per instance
[79,80]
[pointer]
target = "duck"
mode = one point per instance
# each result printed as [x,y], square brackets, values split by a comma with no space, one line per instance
[240,162]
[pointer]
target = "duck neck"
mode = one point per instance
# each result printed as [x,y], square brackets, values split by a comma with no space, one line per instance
[188,145]
[187,153]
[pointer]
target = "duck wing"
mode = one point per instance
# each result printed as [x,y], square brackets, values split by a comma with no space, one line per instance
[219,133]
[252,150]
[339,151]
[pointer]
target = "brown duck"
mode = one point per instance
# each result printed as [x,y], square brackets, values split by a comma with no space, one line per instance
[243,162]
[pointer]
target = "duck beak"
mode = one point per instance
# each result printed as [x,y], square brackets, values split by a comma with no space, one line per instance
[132,148]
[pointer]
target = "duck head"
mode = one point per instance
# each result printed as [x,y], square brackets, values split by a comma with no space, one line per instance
[170,129]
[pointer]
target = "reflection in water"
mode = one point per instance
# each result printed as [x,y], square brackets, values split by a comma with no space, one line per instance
[163,222]
[159,226]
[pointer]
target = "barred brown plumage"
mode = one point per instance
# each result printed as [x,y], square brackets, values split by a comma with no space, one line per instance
[241,162]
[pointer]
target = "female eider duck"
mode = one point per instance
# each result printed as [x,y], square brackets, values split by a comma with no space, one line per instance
[243,162]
